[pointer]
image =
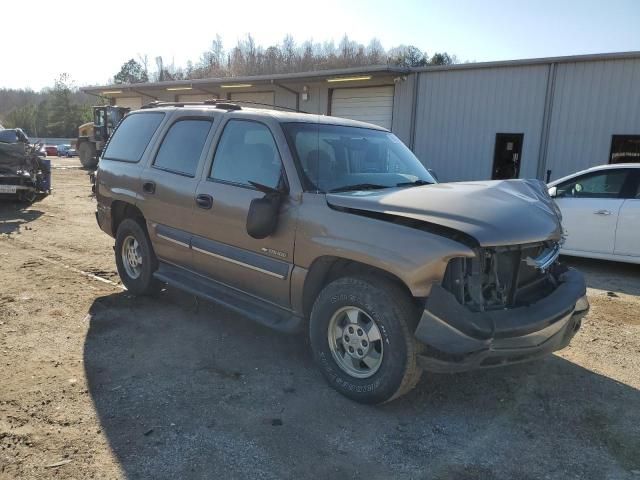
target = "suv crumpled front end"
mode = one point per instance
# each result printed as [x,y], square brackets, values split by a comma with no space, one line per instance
[505,305]
[508,302]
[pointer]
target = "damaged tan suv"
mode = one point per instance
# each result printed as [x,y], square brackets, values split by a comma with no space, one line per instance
[332,226]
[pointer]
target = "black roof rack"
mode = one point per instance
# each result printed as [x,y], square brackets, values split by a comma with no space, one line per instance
[218,103]
[222,104]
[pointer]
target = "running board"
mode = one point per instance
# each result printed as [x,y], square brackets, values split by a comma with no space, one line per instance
[255,309]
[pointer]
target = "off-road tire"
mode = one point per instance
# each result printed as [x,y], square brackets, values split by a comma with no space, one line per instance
[87,154]
[145,284]
[395,314]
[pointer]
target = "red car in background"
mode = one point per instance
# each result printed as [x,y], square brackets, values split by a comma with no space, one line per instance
[51,150]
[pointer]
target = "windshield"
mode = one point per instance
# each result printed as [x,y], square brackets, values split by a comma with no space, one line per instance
[335,158]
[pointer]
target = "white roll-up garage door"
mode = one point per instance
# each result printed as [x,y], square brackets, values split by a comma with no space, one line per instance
[267,98]
[195,97]
[133,103]
[368,104]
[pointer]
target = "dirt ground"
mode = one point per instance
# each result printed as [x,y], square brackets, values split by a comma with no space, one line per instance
[97,384]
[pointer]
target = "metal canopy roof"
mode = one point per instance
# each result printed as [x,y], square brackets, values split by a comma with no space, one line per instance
[373,70]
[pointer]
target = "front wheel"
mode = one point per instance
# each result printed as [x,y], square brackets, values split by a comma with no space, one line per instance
[135,258]
[361,332]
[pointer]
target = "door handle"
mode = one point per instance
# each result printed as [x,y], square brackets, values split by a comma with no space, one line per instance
[149,187]
[602,212]
[204,201]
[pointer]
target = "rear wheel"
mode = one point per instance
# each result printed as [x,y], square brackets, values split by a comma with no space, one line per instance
[361,332]
[87,153]
[135,258]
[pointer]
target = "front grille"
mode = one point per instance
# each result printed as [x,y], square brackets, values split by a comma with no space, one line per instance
[503,277]
[12,180]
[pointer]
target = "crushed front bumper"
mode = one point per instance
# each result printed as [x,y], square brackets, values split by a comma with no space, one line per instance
[458,339]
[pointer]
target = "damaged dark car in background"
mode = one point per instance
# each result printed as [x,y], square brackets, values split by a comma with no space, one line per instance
[24,174]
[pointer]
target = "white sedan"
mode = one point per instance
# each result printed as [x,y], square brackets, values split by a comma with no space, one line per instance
[601,212]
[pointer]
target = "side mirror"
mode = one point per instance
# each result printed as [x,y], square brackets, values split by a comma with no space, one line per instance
[262,219]
[433,174]
[553,191]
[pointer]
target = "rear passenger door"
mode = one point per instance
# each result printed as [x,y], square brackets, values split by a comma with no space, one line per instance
[168,186]
[628,231]
[246,151]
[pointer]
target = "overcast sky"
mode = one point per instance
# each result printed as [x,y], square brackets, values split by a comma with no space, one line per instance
[51,37]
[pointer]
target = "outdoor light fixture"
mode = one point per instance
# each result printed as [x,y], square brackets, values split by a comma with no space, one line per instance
[111,92]
[175,89]
[349,79]
[237,85]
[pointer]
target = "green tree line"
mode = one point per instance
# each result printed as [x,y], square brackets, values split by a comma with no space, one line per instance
[52,112]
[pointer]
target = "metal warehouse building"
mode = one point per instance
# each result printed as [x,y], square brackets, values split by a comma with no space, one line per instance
[541,118]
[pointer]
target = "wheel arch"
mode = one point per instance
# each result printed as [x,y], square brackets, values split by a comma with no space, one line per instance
[121,210]
[328,268]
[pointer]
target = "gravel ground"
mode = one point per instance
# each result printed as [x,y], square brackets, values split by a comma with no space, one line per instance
[97,384]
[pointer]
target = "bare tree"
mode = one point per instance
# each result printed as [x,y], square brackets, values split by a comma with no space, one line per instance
[247,57]
[375,52]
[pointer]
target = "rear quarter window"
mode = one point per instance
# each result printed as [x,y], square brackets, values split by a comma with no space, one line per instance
[132,136]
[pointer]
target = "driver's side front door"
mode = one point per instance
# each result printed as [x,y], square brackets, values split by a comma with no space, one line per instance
[246,151]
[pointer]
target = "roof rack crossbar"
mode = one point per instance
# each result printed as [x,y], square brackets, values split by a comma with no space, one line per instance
[218,103]
[222,104]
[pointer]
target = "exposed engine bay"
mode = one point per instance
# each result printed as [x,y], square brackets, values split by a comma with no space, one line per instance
[24,173]
[504,277]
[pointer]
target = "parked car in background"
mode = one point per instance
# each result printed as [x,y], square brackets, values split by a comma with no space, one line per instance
[66,150]
[601,212]
[24,174]
[51,150]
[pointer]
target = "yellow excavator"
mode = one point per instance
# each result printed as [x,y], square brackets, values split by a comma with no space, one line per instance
[93,136]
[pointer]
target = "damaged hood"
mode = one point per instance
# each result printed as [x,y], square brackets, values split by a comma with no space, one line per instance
[502,212]
[15,152]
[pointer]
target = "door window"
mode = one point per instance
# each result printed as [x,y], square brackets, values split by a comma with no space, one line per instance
[607,184]
[182,146]
[132,136]
[247,153]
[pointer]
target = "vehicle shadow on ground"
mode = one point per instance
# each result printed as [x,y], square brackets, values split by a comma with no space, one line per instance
[186,389]
[607,275]
[14,215]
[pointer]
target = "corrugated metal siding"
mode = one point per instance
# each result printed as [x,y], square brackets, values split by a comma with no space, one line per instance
[459,113]
[592,102]
[403,102]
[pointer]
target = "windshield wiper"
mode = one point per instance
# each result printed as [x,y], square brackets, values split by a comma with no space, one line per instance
[358,186]
[415,183]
